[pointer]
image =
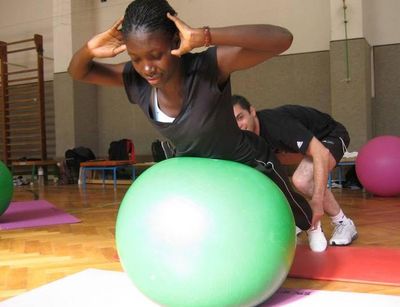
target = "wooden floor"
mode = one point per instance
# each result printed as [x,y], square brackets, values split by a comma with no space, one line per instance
[33,257]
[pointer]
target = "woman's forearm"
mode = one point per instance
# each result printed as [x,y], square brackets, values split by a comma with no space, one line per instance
[269,38]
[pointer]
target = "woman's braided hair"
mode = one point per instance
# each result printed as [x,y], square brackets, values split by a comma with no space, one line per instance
[148,16]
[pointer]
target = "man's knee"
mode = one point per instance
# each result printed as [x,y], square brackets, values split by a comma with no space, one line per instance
[303,176]
[301,183]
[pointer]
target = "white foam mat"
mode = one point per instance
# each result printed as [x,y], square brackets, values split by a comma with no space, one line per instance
[100,288]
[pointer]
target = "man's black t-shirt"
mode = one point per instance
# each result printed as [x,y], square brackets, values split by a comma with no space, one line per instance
[291,127]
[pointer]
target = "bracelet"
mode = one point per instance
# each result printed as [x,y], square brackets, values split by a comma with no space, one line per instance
[207,36]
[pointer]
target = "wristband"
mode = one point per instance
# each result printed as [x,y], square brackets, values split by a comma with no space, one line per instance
[207,36]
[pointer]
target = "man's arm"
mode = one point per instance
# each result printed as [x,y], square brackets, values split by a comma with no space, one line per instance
[321,158]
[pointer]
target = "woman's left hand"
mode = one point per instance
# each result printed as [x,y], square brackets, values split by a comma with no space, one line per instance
[186,34]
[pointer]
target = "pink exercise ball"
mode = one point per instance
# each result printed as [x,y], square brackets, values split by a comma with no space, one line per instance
[378,166]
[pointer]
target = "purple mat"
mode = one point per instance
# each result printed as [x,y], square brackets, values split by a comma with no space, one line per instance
[34,213]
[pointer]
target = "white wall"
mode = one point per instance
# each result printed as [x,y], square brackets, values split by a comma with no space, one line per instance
[308,20]
[313,22]
[62,44]
[354,17]
[382,21]
[21,19]
[376,20]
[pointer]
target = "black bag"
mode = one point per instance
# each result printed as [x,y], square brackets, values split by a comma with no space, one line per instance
[66,176]
[162,150]
[73,159]
[121,150]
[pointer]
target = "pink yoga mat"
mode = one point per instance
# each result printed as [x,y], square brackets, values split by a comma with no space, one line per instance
[34,213]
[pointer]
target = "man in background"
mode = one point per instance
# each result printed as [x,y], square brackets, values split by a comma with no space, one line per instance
[323,142]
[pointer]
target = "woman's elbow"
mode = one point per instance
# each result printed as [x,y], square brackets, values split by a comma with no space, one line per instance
[76,73]
[289,40]
[286,41]
[72,72]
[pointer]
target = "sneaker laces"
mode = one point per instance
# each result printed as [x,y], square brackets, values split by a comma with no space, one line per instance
[339,227]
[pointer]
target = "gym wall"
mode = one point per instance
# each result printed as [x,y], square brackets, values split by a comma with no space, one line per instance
[311,72]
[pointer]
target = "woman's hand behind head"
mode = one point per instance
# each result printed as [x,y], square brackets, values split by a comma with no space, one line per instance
[109,43]
[189,38]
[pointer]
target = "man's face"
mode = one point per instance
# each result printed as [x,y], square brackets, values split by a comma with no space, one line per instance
[246,120]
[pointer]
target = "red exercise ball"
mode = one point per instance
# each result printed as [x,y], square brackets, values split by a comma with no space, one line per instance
[378,166]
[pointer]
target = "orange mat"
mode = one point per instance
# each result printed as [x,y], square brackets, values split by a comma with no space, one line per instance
[375,265]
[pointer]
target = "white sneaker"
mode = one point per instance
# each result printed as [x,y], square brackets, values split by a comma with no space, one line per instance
[344,233]
[317,240]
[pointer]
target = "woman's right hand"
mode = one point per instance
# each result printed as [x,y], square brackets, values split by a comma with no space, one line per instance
[186,36]
[107,44]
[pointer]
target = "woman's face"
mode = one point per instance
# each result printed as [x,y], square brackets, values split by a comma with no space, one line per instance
[150,53]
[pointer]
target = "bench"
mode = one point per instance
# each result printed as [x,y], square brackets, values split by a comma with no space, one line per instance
[110,165]
[37,167]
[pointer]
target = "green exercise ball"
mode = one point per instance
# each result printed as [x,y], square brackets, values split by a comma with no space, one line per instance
[6,187]
[203,232]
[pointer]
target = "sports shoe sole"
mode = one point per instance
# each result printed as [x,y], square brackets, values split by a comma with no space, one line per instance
[352,239]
